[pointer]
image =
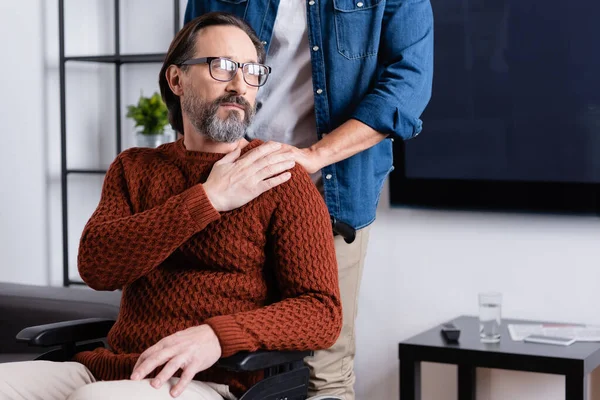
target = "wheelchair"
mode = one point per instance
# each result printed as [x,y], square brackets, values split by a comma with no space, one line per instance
[285,375]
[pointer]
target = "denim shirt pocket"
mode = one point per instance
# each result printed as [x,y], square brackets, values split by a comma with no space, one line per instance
[358,27]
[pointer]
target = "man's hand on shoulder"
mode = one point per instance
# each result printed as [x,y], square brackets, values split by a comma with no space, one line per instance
[348,139]
[235,181]
[308,158]
[192,350]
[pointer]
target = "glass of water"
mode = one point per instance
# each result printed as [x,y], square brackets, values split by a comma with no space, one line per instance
[490,316]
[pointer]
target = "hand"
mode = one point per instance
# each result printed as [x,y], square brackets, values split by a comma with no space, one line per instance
[235,180]
[307,158]
[192,350]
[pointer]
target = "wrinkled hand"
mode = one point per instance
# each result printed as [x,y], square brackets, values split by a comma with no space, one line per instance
[307,158]
[191,350]
[235,180]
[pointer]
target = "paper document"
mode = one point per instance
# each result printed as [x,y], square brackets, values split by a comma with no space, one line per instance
[581,333]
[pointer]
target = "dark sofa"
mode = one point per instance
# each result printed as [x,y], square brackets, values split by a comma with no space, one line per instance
[27,305]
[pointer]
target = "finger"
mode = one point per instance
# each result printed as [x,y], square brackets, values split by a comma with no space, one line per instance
[275,181]
[275,169]
[147,353]
[287,150]
[231,156]
[151,363]
[259,152]
[135,368]
[186,377]
[272,159]
[140,360]
[156,347]
[167,372]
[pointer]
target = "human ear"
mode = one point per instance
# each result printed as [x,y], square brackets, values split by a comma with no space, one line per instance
[174,79]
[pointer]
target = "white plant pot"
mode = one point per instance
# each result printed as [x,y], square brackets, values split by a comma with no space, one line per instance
[153,141]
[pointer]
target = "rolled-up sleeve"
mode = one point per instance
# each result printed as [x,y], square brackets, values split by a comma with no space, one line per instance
[403,88]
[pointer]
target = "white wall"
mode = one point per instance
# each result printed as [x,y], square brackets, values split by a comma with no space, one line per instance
[423,267]
[23,194]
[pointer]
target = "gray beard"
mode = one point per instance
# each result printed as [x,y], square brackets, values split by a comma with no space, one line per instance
[204,119]
[229,130]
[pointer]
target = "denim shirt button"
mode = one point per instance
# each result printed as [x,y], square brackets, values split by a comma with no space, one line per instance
[316,48]
[311,3]
[264,43]
[328,176]
[319,91]
[359,4]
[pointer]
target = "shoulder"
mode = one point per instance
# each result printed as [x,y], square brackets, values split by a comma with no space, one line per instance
[299,189]
[300,177]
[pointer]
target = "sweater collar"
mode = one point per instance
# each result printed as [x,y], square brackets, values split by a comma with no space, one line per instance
[182,152]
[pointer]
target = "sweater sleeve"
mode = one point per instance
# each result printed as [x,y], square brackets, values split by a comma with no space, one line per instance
[119,246]
[309,314]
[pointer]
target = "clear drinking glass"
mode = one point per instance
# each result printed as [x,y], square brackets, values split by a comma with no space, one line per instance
[490,316]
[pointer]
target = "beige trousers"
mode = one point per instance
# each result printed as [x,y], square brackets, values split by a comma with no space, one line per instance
[46,380]
[332,370]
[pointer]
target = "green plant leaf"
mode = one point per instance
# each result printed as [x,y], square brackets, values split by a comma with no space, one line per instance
[150,113]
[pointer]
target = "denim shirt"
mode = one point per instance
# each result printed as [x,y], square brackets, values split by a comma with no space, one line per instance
[372,60]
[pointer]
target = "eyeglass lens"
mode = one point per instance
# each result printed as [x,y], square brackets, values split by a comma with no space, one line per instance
[223,69]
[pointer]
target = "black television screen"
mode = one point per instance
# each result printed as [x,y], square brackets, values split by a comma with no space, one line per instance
[514,118]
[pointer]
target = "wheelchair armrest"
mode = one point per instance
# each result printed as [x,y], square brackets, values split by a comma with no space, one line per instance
[61,333]
[258,360]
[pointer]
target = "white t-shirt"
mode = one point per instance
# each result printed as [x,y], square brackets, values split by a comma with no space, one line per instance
[287,113]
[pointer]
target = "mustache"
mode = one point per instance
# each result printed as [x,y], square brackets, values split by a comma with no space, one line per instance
[233,100]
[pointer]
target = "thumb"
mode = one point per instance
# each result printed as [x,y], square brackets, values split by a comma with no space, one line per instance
[231,156]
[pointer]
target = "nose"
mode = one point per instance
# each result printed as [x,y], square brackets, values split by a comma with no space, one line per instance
[237,85]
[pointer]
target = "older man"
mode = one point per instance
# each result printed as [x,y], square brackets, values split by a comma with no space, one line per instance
[219,244]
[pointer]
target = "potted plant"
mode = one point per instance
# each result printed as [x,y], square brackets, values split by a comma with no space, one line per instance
[151,120]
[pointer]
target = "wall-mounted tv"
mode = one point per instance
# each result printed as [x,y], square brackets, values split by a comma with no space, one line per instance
[514,119]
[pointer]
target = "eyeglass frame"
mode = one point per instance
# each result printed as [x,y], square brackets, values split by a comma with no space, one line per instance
[209,60]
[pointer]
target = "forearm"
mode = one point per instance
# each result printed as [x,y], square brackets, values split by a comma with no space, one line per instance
[114,252]
[308,322]
[348,139]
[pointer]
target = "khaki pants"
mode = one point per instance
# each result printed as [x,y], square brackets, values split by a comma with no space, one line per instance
[46,380]
[332,370]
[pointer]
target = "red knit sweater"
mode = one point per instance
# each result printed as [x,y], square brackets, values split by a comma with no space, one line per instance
[263,276]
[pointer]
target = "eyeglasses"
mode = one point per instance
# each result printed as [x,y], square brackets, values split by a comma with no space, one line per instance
[224,70]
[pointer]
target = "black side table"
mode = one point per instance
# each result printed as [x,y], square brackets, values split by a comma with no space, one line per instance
[574,361]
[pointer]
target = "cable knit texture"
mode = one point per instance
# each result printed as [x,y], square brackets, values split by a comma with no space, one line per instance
[263,276]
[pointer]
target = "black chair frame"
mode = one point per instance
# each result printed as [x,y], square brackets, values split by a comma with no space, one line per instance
[286,375]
